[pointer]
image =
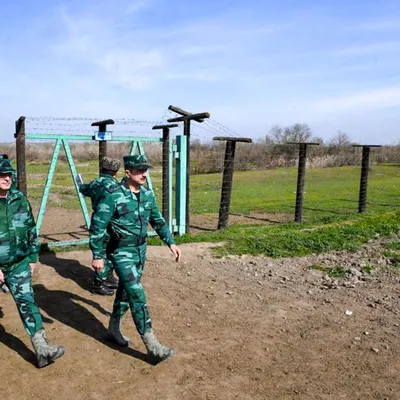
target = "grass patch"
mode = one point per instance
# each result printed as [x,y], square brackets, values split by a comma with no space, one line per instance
[333,272]
[337,272]
[367,269]
[290,240]
[393,246]
[331,221]
[318,267]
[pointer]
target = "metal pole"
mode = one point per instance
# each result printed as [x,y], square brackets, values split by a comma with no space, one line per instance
[362,202]
[165,176]
[300,182]
[102,143]
[186,118]
[186,132]
[227,179]
[102,146]
[20,150]
[166,172]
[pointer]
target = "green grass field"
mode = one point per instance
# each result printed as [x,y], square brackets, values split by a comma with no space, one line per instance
[330,213]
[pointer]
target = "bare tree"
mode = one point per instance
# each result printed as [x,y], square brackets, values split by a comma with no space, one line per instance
[276,135]
[293,133]
[341,139]
[298,133]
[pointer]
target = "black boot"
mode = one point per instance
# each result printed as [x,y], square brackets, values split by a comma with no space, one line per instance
[111,282]
[102,289]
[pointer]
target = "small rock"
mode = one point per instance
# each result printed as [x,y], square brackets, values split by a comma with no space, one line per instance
[374,349]
[349,312]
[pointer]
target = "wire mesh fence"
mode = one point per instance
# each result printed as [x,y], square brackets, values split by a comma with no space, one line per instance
[265,174]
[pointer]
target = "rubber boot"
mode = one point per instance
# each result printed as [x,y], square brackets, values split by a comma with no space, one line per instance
[111,282]
[4,288]
[115,334]
[102,289]
[155,350]
[45,353]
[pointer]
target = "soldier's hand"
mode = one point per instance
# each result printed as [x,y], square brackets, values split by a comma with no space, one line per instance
[32,266]
[176,250]
[98,265]
[1,277]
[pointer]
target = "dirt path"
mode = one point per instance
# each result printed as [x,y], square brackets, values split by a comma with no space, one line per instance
[244,328]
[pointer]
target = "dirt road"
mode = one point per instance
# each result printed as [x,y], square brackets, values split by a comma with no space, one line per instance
[244,328]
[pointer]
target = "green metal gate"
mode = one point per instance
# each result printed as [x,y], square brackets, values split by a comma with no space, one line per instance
[177,152]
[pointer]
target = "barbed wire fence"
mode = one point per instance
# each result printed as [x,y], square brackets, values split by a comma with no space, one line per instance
[270,189]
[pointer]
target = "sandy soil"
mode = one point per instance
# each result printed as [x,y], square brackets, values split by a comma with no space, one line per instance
[243,328]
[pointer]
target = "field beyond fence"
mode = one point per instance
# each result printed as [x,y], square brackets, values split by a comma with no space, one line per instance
[262,197]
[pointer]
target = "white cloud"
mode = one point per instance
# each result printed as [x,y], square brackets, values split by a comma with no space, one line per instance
[138,5]
[367,100]
[371,48]
[377,25]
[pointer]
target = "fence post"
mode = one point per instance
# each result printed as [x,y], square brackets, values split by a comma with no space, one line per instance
[362,200]
[165,170]
[20,150]
[102,143]
[186,118]
[227,178]
[301,174]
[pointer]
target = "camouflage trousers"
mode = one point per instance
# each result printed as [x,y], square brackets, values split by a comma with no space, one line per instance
[129,263]
[18,278]
[106,271]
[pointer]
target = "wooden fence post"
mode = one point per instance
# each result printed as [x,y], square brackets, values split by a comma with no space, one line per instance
[227,178]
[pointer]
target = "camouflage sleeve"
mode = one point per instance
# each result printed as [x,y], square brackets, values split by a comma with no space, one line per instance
[85,189]
[33,242]
[101,217]
[158,223]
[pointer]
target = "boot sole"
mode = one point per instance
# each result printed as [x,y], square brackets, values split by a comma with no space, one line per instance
[156,359]
[43,362]
[111,285]
[94,291]
[112,339]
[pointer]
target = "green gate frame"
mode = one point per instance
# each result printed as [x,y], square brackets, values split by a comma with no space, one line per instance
[177,151]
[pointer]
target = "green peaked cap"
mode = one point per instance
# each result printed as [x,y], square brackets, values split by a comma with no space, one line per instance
[138,161]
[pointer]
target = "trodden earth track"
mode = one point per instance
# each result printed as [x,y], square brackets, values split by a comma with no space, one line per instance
[243,327]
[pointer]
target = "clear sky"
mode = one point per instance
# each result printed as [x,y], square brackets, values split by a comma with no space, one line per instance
[252,64]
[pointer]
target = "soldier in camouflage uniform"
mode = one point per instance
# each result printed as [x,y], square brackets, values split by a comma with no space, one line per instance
[127,210]
[104,281]
[19,248]
[14,174]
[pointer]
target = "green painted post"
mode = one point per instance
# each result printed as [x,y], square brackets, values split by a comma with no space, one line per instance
[72,168]
[170,172]
[133,147]
[49,180]
[181,175]
[141,151]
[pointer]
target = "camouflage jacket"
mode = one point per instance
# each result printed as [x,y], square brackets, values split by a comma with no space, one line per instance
[18,237]
[95,189]
[128,218]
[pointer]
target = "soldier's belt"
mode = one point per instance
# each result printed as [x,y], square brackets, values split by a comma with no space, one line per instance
[132,241]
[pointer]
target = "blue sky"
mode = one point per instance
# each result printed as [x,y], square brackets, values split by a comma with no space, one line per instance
[252,64]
